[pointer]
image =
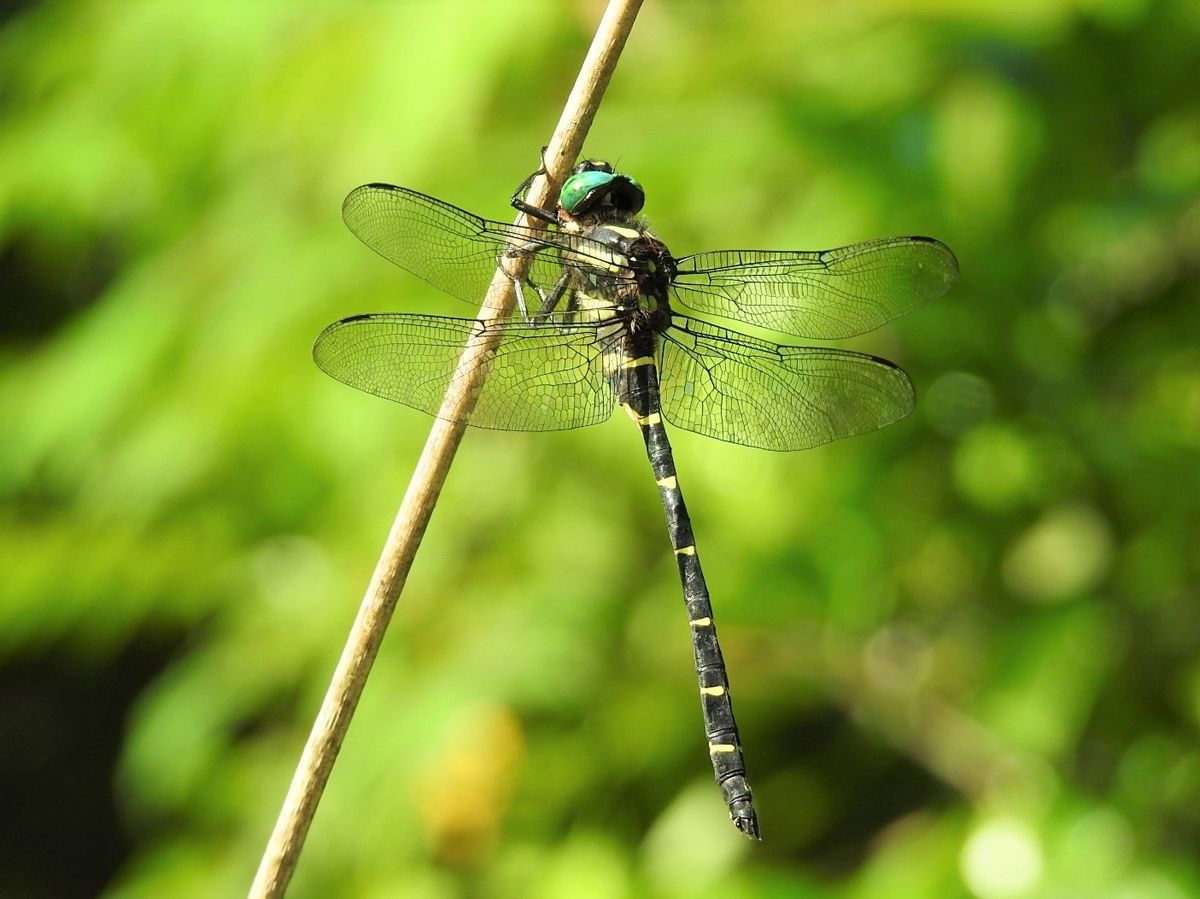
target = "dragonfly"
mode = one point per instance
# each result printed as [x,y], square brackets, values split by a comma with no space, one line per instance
[608,317]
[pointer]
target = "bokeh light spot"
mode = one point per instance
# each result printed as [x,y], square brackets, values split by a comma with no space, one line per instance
[1002,859]
[995,467]
[957,401]
[1066,552]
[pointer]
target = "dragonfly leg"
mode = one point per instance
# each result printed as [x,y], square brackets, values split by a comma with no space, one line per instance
[524,186]
[518,286]
[517,200]
[529,248]
[572,307]
[551,300]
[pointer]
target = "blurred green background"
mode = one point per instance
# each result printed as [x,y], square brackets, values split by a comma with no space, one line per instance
[963,649]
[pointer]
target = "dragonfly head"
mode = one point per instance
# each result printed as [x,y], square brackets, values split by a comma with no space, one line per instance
[593,188]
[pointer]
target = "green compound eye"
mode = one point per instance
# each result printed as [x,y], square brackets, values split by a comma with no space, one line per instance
[585,191]
[578,188]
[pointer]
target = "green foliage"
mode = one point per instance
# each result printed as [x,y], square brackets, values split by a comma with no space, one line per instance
[963,650]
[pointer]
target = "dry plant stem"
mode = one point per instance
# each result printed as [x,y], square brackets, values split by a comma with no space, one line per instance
[283,851]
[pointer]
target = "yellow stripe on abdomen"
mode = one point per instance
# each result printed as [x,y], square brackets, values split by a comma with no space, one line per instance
[652,419]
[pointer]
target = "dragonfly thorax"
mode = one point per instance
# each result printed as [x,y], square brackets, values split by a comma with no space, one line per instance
[642,271]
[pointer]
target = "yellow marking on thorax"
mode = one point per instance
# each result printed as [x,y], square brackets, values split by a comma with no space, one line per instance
[623,231]
[638,362]
[668,483]
[712,691]
[701,622]
[686,550]
[714,748]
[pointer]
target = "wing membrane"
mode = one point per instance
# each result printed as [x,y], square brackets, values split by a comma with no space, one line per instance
[736,388]
[826,294]
[455,250]
[543,376]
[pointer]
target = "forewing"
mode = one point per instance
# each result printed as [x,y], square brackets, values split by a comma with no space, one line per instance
[455,250]
[543,376]
[736,388]
[822,294]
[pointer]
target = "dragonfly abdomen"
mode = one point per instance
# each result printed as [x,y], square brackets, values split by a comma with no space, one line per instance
[638,395]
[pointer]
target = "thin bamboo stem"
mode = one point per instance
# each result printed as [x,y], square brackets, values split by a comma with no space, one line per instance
[333,720]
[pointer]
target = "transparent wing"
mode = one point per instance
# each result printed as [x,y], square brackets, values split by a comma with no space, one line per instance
[736,388]
[544,376]
[454,250]
[825,294]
